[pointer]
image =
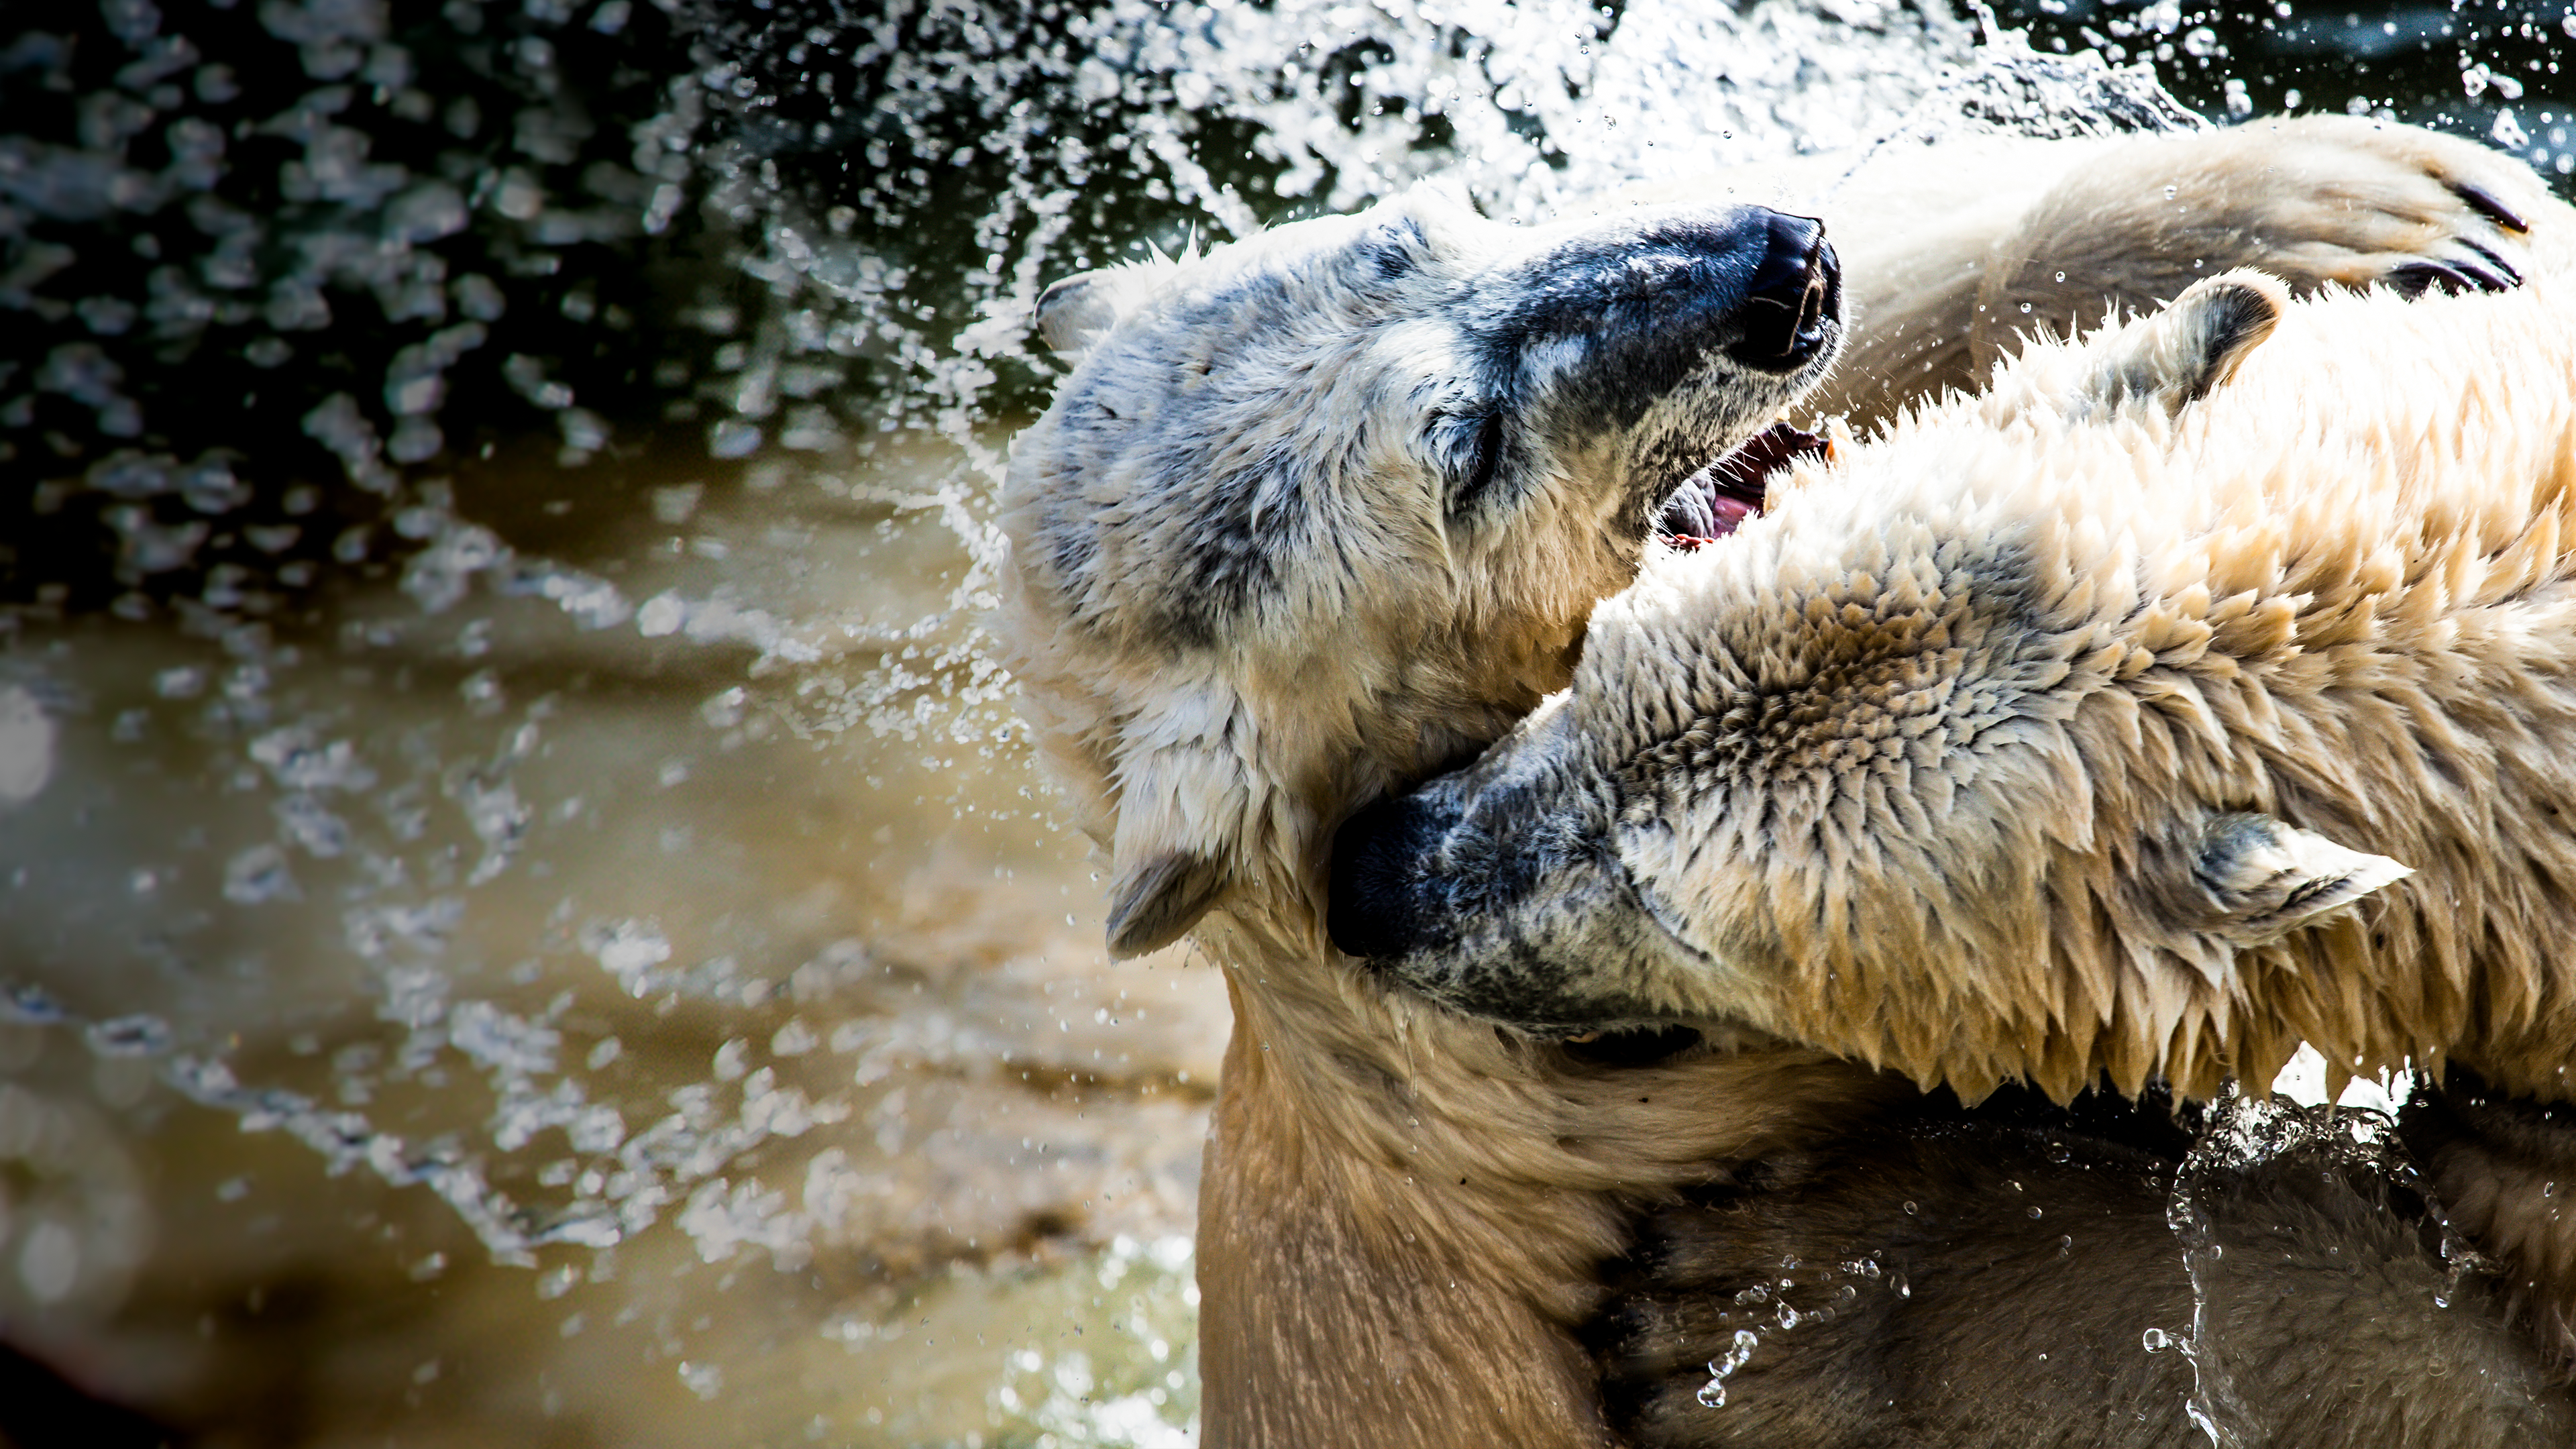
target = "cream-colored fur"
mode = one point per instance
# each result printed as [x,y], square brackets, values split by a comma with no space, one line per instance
[2201,688]
[1953,258]
[1403,1208]
[2341,591]
[2336,591]
[2191,675]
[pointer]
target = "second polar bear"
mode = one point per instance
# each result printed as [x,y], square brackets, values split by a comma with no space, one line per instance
[2203,688]
[2189,637]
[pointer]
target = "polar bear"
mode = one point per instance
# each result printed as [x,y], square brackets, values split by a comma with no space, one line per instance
[2203,687]
[2195,634]
[1327,510]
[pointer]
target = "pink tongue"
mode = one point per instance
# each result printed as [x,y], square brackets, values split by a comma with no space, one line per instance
[1714,498]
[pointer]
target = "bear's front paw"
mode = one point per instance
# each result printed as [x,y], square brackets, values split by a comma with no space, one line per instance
[2470,261]
[2317,201]
[2341,200]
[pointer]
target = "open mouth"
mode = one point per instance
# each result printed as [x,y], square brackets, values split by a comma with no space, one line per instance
[1714,502]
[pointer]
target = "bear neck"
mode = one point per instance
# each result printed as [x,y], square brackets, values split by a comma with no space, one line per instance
[1404,1215]
[2385,665]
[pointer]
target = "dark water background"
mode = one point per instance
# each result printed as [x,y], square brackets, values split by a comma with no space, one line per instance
[223,217]
[523,915]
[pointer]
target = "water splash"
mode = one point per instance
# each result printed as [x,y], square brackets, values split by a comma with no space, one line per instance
[2246,1134]
[1712,1395]
[2214,1407]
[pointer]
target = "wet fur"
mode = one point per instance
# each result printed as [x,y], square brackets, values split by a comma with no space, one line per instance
[2004,1275]
[1404,1211]
[2196,678]
[2503,1167]
[2098,642]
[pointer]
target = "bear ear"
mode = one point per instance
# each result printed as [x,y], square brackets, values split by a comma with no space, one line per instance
[1187,800]
[1075,312]
[2175,358]
[1156,901]
[2253,879]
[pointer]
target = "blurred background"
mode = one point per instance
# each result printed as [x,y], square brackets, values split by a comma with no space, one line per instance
[525,913]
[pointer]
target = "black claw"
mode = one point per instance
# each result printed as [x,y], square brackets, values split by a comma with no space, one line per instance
[2513,274]
[2416,278]
[2484,203]
[2488,281]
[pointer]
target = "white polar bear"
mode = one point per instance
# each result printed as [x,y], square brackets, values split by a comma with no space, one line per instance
[1322,512]
[2050,735]
[2204,687]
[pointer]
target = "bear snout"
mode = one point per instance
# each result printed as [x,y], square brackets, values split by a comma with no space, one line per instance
[1794,294]
[1383,903]
[1645,299]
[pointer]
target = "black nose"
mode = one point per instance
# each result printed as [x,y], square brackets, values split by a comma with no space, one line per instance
[1790,308]
[1385,901]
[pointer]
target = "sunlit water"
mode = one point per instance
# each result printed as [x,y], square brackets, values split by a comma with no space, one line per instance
[524,912]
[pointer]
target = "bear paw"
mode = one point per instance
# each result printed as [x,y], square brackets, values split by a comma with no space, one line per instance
[2315,201]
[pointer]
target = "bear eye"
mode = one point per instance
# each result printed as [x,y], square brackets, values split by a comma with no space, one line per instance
[1484,461]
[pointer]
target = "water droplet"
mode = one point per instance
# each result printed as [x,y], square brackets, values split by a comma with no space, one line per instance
[1712,1395]
[129,1036]
[26,747]
[2154,1340]
[50,1262]
[706,1380]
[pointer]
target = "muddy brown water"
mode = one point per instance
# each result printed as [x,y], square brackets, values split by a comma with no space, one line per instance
[931,1157]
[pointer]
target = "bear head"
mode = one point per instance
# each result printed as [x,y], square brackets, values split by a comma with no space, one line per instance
[1326,509]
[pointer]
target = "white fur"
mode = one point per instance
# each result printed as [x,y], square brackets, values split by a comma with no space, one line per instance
[1404,1208]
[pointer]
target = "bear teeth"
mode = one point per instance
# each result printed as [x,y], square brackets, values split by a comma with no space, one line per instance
[1715,501]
